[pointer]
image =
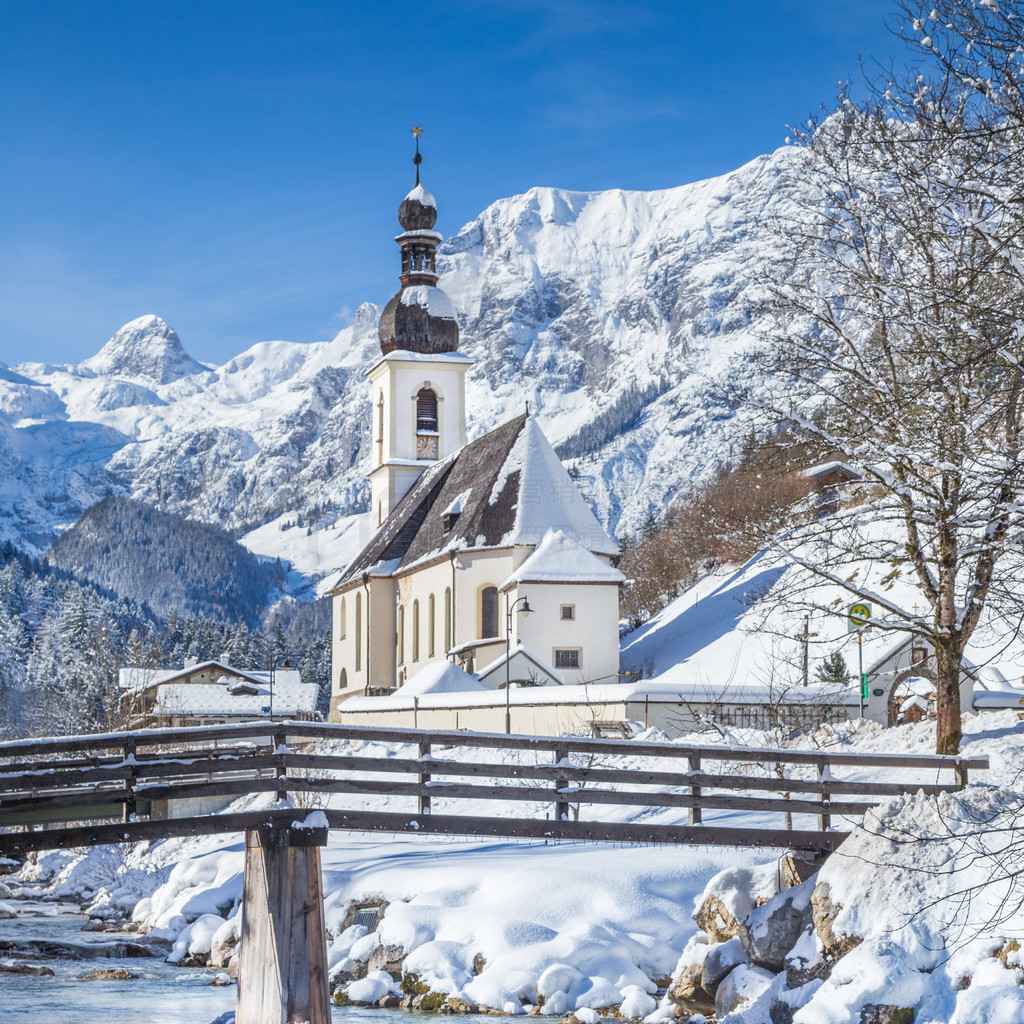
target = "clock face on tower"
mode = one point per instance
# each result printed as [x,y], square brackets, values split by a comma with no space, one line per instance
[426,446]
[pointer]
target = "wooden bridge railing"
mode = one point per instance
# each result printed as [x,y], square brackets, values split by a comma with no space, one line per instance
[59,791]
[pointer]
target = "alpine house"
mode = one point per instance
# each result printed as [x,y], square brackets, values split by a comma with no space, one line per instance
[480,550]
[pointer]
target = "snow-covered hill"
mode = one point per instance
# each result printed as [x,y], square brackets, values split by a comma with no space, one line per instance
[613,314]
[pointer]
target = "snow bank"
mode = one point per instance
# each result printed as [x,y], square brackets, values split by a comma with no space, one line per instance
[204,884]
[197,938]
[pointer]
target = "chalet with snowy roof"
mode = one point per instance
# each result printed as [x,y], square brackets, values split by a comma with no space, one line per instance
[213,693]
[482,551]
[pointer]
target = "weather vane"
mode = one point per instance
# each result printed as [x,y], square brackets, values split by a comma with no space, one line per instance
[417,131]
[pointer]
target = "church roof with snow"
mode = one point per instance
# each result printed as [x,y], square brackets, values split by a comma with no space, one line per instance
[505,489]
[561,559]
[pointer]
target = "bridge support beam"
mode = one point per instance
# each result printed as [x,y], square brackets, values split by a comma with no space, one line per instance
[282,969]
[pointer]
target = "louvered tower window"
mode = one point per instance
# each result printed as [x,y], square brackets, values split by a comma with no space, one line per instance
[426,424]
[426,410]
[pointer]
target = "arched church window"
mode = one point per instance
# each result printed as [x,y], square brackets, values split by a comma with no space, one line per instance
[359,632]
[430,626]
[488,612]
[447,619]
[401,634]
[380,429]
[343,680]
[342,621]
[415,631]
[426,409]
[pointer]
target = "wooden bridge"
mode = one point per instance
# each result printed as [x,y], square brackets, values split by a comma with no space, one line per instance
[161,783]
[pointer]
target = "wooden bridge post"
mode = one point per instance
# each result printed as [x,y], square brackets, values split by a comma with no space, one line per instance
[424,778]
[561,784]
[824,781]
[282,970]
[281,770]
[696,817]
[130,805]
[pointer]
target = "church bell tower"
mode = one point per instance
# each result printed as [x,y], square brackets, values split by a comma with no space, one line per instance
[418,387]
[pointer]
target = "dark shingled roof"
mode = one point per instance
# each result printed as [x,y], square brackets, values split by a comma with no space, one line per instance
[415,529]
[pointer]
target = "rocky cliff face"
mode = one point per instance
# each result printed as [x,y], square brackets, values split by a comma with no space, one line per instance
[616,315]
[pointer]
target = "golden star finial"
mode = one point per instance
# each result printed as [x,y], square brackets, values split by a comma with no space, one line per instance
[417,130]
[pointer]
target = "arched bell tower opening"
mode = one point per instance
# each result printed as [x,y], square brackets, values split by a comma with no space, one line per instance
[427,424]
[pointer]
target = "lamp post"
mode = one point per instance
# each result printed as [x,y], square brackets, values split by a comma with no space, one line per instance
[510,611]
[273,665]
[274,655]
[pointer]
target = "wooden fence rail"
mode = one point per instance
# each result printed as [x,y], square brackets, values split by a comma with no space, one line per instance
[64,791]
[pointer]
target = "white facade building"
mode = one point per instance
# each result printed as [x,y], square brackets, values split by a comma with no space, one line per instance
[479,549]
[213,693]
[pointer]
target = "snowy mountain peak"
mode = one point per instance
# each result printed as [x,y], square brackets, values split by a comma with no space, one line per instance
[145,349]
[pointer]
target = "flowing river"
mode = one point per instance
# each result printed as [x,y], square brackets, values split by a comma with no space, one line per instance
[50,935]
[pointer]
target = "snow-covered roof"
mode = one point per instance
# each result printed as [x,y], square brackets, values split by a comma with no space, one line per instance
[398,355]
[1011,697]
[561,559]
[520,653]
[835,466]
[512,488]
[916,686]
[992,677]
[441,677]
[430,298]
[422,195]
[134,677]
[216,700]
[914,701]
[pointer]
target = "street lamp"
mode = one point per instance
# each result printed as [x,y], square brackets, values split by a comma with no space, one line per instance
[273,657]
[510,611]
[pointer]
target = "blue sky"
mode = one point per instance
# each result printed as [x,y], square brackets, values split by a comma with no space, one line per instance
[235,167]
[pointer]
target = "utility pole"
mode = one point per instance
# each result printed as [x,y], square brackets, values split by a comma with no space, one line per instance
[805,636]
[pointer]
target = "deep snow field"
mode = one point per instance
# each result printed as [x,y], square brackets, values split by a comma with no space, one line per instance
[925,884]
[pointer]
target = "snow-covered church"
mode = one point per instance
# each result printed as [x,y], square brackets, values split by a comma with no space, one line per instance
[478,548]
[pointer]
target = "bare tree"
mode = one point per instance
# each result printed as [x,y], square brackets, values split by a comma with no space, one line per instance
[899,345]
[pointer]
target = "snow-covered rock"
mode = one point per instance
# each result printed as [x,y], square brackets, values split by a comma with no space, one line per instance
[742,985]
[196,939]
[376,985]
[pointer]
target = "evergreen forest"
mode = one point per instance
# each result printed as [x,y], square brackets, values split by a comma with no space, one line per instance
[64,640]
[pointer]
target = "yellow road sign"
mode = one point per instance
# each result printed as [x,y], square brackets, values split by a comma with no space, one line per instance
[860,614]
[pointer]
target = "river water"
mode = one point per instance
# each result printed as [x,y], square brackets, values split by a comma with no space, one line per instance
[162,994]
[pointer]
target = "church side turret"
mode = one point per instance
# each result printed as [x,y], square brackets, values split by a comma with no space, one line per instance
[418,388]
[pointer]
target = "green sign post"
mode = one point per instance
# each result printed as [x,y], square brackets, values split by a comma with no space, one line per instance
[860,616]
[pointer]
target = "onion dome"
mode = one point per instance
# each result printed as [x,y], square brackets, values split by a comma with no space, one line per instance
[418,211]
[420,318]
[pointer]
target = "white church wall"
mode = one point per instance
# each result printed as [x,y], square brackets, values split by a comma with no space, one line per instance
[473,571]
[590,632]
[572,716]
[372,613]
[527,719]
